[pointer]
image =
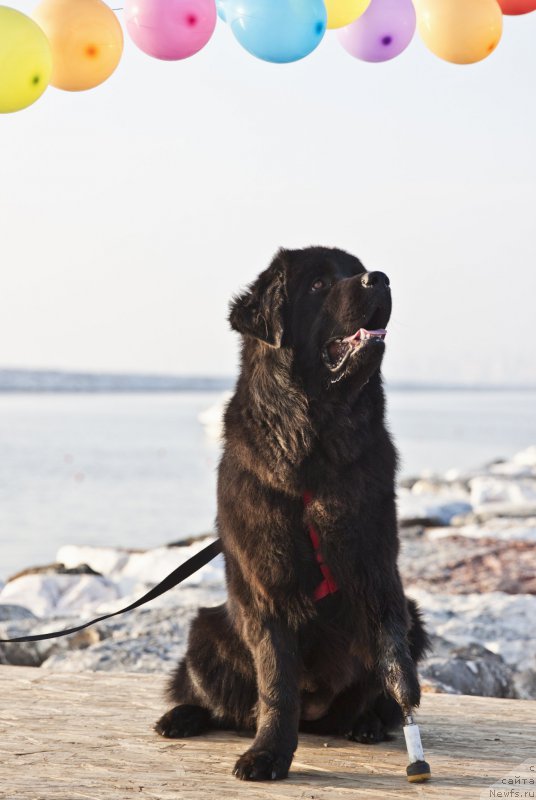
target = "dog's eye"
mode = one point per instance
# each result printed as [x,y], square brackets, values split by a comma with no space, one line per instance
[318,284]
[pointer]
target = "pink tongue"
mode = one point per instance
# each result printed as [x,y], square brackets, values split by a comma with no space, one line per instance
[362,333]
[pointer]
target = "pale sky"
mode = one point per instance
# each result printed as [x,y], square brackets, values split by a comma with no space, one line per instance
[131,213]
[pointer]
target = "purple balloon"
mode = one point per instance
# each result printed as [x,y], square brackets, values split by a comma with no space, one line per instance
[382,32]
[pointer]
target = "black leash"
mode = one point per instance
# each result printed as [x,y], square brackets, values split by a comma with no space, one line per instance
[173,579]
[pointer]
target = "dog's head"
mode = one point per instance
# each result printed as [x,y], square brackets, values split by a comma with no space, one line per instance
[324,306]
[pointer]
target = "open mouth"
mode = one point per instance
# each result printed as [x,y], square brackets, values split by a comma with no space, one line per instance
[337,351]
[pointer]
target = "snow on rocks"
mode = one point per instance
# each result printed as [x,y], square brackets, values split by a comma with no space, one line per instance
[467,556]
[51,595]
[132,570]
[429,508]
[526,458]
[502,489]
[502,529]
[145,640]
[497,621]
[104,560]
[64,595]
[488,489]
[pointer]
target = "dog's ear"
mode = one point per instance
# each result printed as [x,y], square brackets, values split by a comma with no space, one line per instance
[259,310]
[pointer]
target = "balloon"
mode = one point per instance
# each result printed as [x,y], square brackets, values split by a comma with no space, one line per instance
[459,31]
[517,6]
[383,32]
[170,29]
[278,31]
[86,41]
[343,12]
[220,8]
[25,59]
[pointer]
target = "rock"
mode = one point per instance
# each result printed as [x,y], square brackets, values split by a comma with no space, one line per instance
[25,654]
[498,528]
[413,531]
[20,655]
[407,483]
[103,560]
[14,613]
[52,594]
[85,638]
[132,570]
[56,568]
[154,565]
[510,469]
[189,540]
[472,568]
[419,521]
[429,509]
[455,489]
[433,686]
[449,564]
[499,622]
[18,621]
[472,670]
[147,640]
[143,654]
[491,492]
[525,684]
[510,510]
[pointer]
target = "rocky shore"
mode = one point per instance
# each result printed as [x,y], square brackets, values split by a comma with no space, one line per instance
[468,556]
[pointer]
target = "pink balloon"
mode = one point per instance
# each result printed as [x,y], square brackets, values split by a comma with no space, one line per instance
[170,29]
[382,32]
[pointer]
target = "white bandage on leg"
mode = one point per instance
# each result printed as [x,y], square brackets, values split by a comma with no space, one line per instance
[413,743]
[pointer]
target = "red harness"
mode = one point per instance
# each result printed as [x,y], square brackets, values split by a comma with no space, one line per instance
[327,585]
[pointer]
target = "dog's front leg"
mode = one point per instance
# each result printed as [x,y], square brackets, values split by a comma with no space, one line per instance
[275,653]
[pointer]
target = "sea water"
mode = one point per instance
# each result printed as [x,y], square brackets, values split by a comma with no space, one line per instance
[138,470]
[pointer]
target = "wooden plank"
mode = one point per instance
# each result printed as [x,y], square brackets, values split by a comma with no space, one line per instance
[67,736]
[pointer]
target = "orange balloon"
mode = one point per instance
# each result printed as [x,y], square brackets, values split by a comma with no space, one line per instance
[515,7]
[459,31]
[86,40]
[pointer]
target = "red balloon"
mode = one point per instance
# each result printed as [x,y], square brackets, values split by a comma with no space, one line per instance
[515,7]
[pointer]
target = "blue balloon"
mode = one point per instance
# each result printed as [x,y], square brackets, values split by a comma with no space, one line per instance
[278,31]
[220,8]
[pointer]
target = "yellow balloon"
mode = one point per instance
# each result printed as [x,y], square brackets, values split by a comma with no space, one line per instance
[343,12]
[459,31]
[25,61]
[86,41]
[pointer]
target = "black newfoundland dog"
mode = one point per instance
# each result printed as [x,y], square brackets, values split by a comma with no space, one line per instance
[316,634]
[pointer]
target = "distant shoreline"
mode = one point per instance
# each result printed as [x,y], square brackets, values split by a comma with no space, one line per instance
[25,381]
[56,381]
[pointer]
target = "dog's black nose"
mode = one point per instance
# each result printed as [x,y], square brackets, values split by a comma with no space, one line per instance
[370,279]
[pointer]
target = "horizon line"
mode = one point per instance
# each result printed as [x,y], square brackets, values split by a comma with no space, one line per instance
[57,380]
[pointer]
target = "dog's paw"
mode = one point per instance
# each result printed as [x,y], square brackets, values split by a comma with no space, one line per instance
[368,729]
[183,721]
[262,765]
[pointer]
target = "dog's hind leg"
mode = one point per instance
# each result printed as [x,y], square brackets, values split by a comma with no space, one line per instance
[184,720]
[382,713]
[189,718]
[214,685]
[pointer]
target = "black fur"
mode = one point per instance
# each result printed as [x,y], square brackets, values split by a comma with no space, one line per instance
[271,659]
